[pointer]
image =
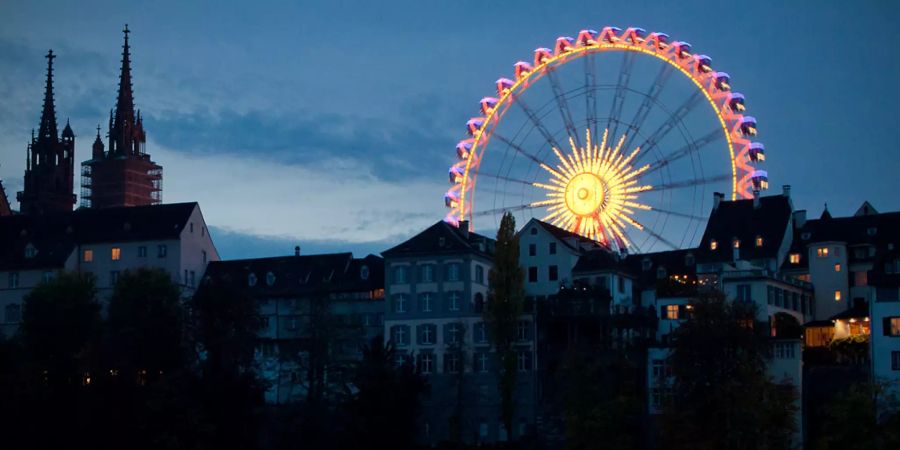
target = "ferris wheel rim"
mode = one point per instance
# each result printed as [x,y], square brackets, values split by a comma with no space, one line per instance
[631,41]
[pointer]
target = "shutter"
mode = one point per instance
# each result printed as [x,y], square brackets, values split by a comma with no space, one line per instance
[886,324]
[662,312]
[682,312]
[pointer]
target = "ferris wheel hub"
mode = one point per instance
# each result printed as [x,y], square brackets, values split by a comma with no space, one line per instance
[585,193]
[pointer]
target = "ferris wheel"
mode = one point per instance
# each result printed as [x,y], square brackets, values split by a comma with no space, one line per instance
[597,137]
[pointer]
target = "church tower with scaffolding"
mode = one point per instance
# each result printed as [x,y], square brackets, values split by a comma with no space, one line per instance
[123,174]
[50,161]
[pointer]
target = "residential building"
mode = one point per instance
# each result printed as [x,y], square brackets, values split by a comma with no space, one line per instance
[547,255]
[333,303]
[436,287]
[102,242]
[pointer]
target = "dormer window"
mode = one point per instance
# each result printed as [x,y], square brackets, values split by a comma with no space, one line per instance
[872,231]
[660,273]
[713,244]
[805,235]
[251,280]
[30,251]
[442,241]
[270,278]
[759,241]
[364,272]
[794,258]
[646,264]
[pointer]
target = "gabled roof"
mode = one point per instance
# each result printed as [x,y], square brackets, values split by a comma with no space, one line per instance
[575,242]
[740,219]
[55,235]
[293,276]
[5,209]
[443,238]
[876,229]
[866,209]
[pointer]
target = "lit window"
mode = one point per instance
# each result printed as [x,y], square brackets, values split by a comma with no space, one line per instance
[713,245]
[837,267]
[892,326]
[88,256]
[795,258]
[822,252]
[759,241]
[672,312]
[837,296]
[736,243]
[116,253]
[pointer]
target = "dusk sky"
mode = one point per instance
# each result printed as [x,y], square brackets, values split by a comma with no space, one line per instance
[331,124]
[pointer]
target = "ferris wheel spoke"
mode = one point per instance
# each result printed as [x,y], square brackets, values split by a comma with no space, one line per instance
[689,148]
[537,122]
[590,83]
[677,214]
[505,178]
[518,148]
[649,100]
[670,124]
[505,209]
[621,89]
[560,95]
[659,238]
[690,183]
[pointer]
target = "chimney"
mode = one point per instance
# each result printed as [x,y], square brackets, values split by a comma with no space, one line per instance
[717,198]
[296,250]
[799,218]
[755,199]
[464,228]
[786,190]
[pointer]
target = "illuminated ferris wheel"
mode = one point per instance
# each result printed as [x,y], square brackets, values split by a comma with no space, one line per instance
[597,137]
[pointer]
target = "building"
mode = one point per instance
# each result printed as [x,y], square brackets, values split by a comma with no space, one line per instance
[123,175]
[547,254]
[49,170]
[102,242]
[5,208]
[330,302]
[436,287]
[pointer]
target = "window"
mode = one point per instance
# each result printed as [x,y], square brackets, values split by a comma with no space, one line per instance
[400,335]
[743,292]
[661,370]
[523,361]
[895,360]
[142,251]
[713,244]
[783,350]
[533,230]
[770,294]
[251,279]
[451,362]
[553,248]
[480,332]
[671,312]
[364,272]
[13,280]
[47,277]
[192,227]
[736,243]
[30,251]
[837,296]
[892,326]
[293,324]
[553,273]
[479,273]
[13,313]
[426,363]
[522,330]
[113,277]
[861,278]
[532,249]
[400,303]
[116,254]
[88,256]
[426,336]
[759,241]
[192,279]
[482,363]
[621,281]
[270,279]
[795,258]
[400,275]
[454,333]
[837,267]
[453,272]
[483,426]
[203,256]
[453,301]
[822,252]
[425,302]
[426,273]
[161,251]
[532,274]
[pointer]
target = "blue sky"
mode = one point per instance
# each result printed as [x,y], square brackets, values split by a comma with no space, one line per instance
[331,124]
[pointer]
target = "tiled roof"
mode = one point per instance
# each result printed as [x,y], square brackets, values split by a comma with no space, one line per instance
[740,219]
[443,238]
[300,275]
[567,237]
[54,235]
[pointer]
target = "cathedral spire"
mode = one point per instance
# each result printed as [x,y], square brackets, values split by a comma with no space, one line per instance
[124,114]
[48,130]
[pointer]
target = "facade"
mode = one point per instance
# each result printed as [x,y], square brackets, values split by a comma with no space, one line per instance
[436,286]
[547,254]
[49,170]
[332,302]
[123,175]
[104,243]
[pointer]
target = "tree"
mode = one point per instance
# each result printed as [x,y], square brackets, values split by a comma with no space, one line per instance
[383,411]
[723,398]
[852,421]
[503,310]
